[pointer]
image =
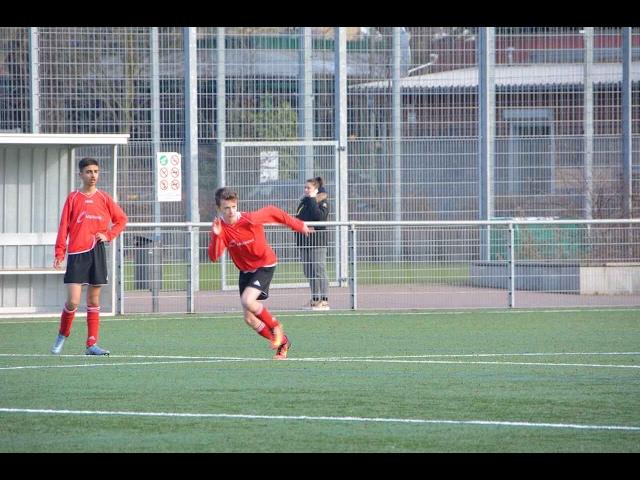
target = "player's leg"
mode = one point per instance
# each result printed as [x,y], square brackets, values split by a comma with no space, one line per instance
[283,350]
[74,292]
[258,325]
[250,319]
[254,310]
[308,273]
[320,270]
[254,286]
[93,314]
[97,278]
[283,345]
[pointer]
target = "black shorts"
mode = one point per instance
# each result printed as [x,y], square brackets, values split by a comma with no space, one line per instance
[88,268]
[260,279]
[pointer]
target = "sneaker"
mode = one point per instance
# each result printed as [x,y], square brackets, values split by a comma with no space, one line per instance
[57,346]
[278,337]
[321,305]
[283,349]
[96,350]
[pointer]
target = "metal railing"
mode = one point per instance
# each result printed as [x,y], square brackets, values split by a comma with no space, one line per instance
[396,265]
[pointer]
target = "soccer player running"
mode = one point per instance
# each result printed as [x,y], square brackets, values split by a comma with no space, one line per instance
[243,234]
[85,222]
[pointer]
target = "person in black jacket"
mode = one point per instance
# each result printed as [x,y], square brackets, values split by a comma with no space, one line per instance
[313,207]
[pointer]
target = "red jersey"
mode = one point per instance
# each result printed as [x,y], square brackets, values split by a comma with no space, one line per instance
[83,216]
[246,240]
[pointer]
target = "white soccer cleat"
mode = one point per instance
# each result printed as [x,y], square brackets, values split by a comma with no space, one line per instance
[57,346]
[96,350]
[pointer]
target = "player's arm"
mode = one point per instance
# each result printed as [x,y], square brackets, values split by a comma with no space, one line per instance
[216,243]
[60,248]
[272,214]
[119,220]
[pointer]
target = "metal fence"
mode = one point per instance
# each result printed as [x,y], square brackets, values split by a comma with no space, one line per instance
[407,106]
[404,123]
[398,265]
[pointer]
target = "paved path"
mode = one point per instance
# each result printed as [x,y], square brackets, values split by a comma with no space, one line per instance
[378,297]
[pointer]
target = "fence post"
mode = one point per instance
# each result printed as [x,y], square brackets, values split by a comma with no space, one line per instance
[34,76]
[191,143]
[486,130]
[221,129]
[155,140]
[627,122]
[588,123]
[512,268]
[120,275]
[193,274]
[353,266]
[396,123]
[342,183]
[305,102]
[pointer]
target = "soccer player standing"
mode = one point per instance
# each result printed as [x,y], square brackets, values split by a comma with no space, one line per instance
[314,207]
[90,218]
[242,233]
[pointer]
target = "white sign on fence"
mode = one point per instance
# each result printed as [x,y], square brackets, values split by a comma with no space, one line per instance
[168,177]
[268,166]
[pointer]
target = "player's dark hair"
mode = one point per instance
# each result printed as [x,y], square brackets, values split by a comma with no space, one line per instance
[225,193]
[85,162]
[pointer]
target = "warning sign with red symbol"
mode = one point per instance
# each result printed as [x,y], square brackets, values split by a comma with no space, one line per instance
[169,177]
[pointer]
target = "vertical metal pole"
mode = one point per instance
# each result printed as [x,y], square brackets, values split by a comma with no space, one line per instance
[115,172]
[120,276]
[396,121]
[342,183]
[156,273]
[221,121]
[588,122]
[221,129]
[115,259]
[305,112]
[71,173]
[191,151]
[512,267]
[626,123]
[353,263]
[34,63]
[486,128]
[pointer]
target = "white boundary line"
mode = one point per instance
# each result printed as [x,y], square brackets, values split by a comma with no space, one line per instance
[430,355]
[414,421]
[137,317]
[418,359]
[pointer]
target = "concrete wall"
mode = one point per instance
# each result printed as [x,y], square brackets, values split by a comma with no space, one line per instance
[610,279]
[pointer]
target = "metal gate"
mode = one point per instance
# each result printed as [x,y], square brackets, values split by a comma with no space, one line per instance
[273,173]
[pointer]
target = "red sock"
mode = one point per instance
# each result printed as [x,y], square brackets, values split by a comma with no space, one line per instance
[93,324]
[264,331]
[264,315]
[66,319]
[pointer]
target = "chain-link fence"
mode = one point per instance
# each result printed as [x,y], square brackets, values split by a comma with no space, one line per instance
[562,111]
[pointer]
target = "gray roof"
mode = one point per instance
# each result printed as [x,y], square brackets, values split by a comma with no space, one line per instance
[510,75]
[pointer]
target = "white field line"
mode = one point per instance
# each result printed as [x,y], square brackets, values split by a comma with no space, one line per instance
[430,355]
[120,364]
[418,359]
[339,313]
[415,421]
